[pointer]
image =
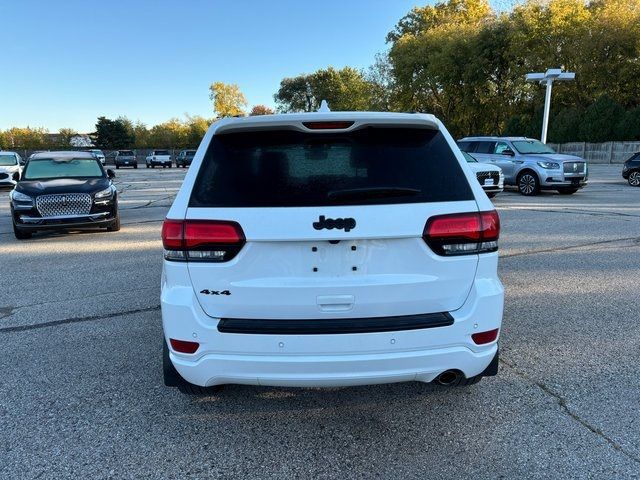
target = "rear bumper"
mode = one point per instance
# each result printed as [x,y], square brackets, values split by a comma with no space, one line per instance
[334,359]
[332,370]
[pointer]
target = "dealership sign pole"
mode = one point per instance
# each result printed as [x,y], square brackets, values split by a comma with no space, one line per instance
[547,78]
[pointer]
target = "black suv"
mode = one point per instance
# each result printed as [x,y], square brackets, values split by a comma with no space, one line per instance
[64,191]
[184,158]
[631,170]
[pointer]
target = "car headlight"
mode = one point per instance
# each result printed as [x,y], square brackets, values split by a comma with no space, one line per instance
[20,197]
[549,165]
[107,192]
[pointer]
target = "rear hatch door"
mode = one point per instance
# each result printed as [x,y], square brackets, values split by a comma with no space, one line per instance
[333,224]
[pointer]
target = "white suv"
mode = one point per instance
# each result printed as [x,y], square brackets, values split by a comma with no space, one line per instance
[328,249]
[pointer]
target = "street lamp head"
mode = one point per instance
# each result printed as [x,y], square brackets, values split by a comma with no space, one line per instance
[534,77]
[553,73]
[567,76]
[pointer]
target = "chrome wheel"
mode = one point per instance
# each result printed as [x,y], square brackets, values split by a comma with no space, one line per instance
[634,179]
[528,184]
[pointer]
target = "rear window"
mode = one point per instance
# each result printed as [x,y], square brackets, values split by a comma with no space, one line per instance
[125,153]
[161,152]
[289,169]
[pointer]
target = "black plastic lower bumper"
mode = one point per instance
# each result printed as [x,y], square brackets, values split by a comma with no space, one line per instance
[329,326]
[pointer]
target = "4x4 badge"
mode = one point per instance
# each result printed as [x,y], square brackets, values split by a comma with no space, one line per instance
[345,224]
[215,292]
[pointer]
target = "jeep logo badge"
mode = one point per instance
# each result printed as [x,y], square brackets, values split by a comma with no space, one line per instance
[346,224]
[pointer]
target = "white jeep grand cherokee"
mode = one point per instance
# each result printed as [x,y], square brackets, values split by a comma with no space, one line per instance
[327,249]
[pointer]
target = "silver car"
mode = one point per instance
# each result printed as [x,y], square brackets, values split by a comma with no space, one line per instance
[529,164]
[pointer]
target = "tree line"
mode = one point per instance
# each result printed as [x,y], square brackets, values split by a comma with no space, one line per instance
[460,60]
[466,63]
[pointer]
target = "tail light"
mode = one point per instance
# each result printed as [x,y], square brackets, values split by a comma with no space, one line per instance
[201,240]
[482,338]
[184,346]
[463,233]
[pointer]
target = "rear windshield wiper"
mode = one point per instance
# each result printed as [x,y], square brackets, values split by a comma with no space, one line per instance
[372,192]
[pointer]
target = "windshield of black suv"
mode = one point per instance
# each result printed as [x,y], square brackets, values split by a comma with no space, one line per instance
[531,146]
[366,166]
[41,168]
[125,153]
[469,158]
[8,160]
[161,152]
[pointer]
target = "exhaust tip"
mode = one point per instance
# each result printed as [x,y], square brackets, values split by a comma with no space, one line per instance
[448,377]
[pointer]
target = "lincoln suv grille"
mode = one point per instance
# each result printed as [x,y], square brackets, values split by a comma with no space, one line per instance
[482,176]
[64,204]
[574,167]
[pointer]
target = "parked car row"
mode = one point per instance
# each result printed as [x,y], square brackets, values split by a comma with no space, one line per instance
[157,158]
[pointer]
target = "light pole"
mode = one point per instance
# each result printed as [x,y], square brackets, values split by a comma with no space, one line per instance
[547,78]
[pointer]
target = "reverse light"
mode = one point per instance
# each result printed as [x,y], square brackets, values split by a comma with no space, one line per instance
[463,233]
[184,346]
[482,338]
[201,240]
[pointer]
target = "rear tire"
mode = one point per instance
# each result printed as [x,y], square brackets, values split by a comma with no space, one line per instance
[135,167]
[528,183]
[172,378]
[117,167]
[567,191]
[21,234]
[491,195]
[634,178]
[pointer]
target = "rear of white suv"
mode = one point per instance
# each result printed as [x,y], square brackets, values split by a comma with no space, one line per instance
[330,249]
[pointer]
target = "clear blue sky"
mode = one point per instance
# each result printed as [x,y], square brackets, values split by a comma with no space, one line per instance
[65,62]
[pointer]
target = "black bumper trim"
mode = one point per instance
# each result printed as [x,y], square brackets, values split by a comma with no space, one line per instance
[331,326]
[105,222]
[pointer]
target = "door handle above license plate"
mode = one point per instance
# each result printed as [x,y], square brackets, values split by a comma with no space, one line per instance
[335,303]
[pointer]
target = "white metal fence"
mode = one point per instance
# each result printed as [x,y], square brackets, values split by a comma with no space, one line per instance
[608,152]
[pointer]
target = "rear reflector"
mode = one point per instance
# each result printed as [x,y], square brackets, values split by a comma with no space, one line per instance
[463,233]
[183,346]
[201,240]
[327,125]
[489,336]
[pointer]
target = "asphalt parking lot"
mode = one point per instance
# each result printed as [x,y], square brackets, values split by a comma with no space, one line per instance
[81,392]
